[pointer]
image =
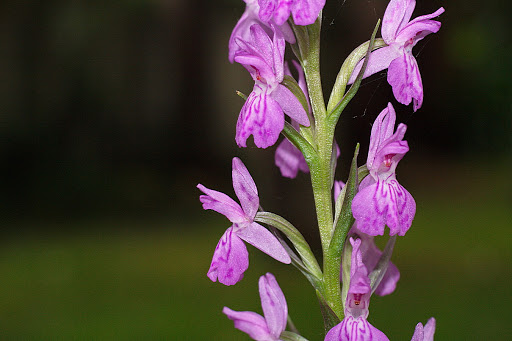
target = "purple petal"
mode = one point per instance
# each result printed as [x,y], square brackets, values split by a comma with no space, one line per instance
[405,79]
[274,305]
[398,136]
[401,209]
[249,18]
[279,46]
[355,329]
[338,186]
[397,15]
[289,160]
[417,31]
[430,329]
[282,11]
[302,79]
[230,259]
[242,30]
[287,32]
[425,333]
[359,281]
[334,333]
[261,56]
[359,292]
[389,281]
[371,255]
[262,117]
[387,158]
[290,105]
[264,240]
[384,203]
[254,63]
[379,60]
[382,130]
[369,209]
[267,8]
[305,12]
[427,16]
[249,322]
[262,43]
[221,203]
[420,27]
[355,326]
[418,333]
[245,188]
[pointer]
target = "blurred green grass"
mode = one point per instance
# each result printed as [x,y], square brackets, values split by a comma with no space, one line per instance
[147,280]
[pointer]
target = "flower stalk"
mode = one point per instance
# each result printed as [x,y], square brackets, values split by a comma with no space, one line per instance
[320,168]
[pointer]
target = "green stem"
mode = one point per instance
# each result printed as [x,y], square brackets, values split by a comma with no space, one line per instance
[320,170]
[321,182]
[311,64]
[321,177]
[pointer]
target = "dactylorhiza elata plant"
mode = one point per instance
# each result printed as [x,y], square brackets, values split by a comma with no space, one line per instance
[350,213]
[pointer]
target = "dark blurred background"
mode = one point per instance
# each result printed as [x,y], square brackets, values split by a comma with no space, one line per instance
[113,111]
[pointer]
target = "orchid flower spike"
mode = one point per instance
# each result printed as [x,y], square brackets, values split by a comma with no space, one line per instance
[275,310]
[263,112]
[231,259]
[250,17]
[304,12]
[355,326]
[425,333]
[381,200]
[401,34]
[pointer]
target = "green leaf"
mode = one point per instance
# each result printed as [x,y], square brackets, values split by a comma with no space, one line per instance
[291,325]
[347,68]
[296,52]
[290,336]
[362,172]
[330,317]
[296,260]
[295,237]
[302,40]
[344,221]
[242,95]
[345,267]
[381,267]
[309,152]
[334,113]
